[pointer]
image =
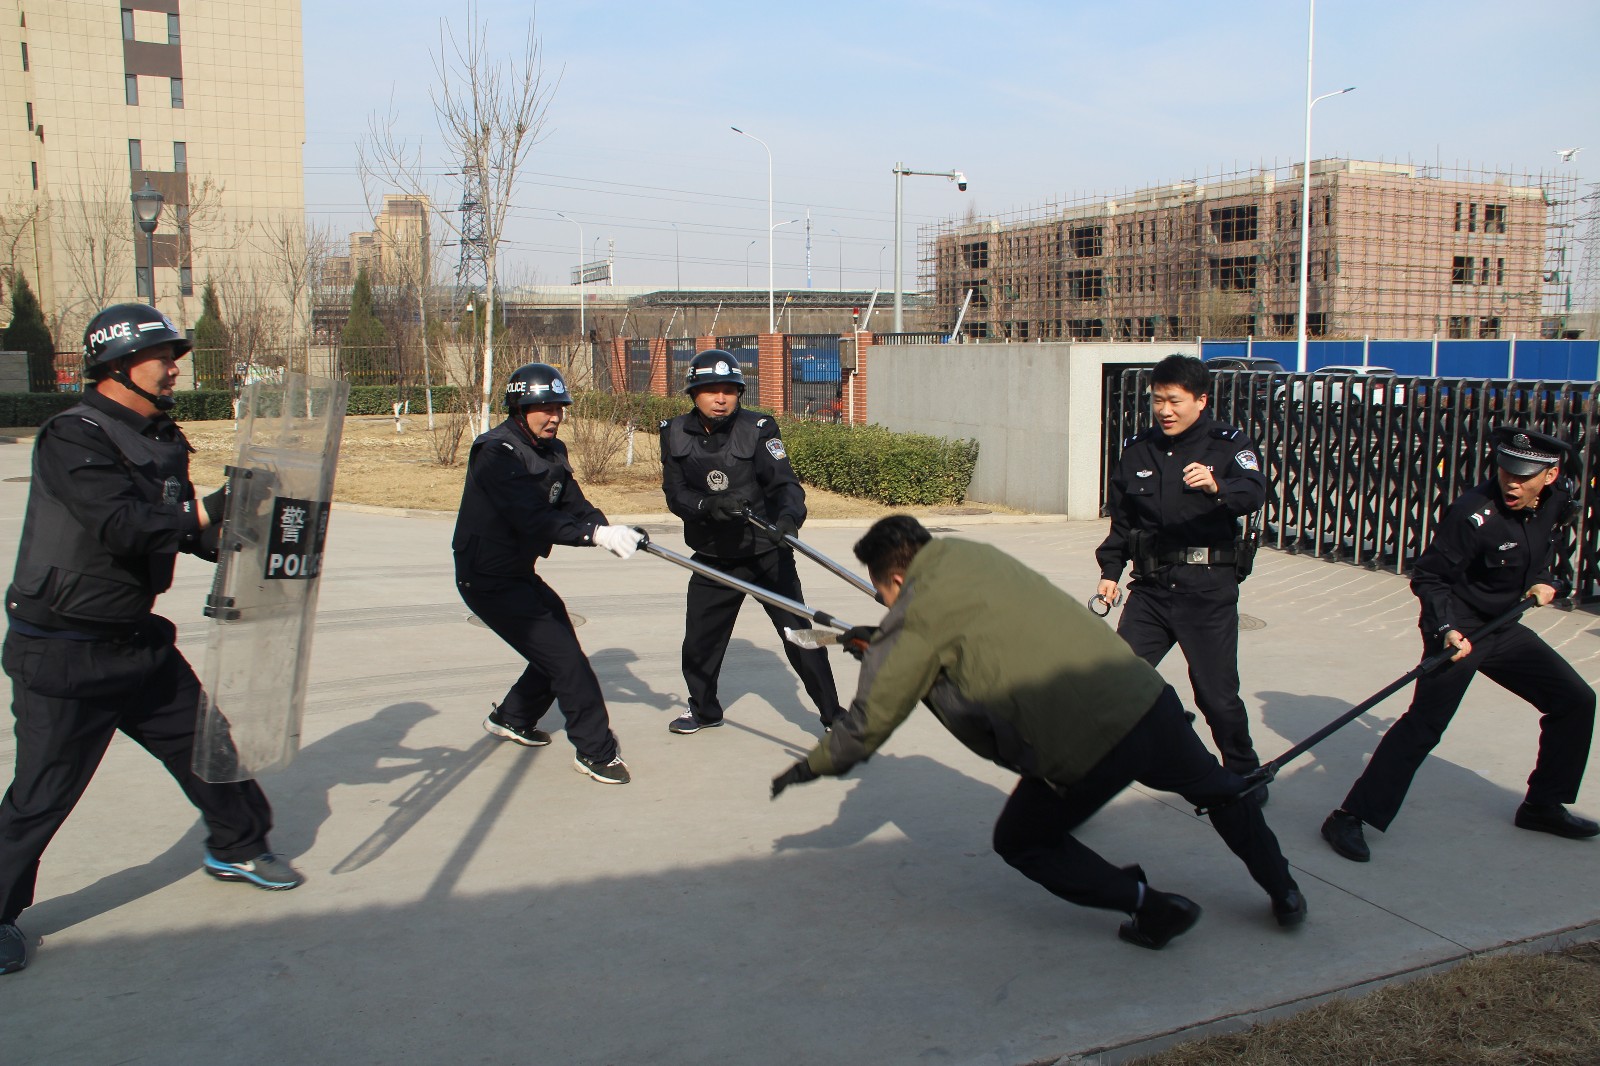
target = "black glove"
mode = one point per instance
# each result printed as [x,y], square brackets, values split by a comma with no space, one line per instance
[855,640]
[798,774]
[726,507]
[216,504]
[786,527]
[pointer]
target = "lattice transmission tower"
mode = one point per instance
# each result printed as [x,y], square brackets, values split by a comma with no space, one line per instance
[472,268]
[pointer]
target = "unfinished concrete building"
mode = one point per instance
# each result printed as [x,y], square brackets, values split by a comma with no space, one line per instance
[1395,250]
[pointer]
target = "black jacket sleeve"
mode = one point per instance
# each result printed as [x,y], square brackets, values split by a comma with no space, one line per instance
[82,468]
[785,496]
[1241,485]
[1112,555]
[1441,564]
[686,503]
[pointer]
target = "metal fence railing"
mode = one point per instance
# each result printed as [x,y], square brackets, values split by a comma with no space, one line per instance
[1361,469]
[815,387]
[680,353]
[638,364]
[745,350]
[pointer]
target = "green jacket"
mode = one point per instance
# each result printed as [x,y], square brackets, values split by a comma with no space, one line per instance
[1020,672]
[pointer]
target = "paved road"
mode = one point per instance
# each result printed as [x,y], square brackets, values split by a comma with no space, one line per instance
[470,901]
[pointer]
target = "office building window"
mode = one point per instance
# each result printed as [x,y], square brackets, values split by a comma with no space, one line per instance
[35,167]
[1488,328]
[24,57]
[172,29]
[1461,270]
[135,155]
[185,274]
[1459,327]
[1499,271]
[127,24]
[1494,218]
[177,94]
[131,87]
[142,281]
[180,156]
[30,116]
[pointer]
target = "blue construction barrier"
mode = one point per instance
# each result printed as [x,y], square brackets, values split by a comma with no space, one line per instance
[1546,360]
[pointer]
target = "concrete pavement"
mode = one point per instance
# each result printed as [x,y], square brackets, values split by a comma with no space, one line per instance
[473,901]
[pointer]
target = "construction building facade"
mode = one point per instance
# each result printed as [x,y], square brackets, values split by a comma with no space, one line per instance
[204,101]
[1395,250]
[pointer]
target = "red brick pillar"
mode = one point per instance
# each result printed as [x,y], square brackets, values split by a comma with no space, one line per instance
[773,366]
[855,383]
[619,364]
[705,344]
[659,362]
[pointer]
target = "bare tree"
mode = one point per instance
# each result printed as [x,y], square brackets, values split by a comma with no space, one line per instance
[95,237]
[21,219]
[299,251]
[491,112]
[202,227]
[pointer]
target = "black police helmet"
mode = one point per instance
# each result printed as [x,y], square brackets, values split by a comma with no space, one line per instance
[711,368]
[122,330]
[534,384]
[1525,452]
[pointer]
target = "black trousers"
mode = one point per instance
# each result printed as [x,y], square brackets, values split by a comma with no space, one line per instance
[1196,608]
[69,697]
[1034,832]
[708,624]
[1522,664]
[527,614]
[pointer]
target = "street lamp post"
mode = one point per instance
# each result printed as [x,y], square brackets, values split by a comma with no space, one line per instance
[583,332]
[147,212]
[900,172]
[1305,192]
[772,319]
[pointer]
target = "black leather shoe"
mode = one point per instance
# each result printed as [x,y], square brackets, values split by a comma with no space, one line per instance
[1342,831]
[1289,908]
[1554,818]
[1161,917]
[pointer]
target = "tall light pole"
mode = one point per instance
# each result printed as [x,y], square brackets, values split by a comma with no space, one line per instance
[677,260]
[1305,190]
[900,172]
[147,212]
[583,332]
[772,318]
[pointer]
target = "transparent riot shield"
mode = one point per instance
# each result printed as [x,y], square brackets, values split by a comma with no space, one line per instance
[263,599]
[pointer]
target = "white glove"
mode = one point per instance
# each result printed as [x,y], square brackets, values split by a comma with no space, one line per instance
[620,541]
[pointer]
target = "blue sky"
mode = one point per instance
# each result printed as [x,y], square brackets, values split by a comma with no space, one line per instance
[1034,101]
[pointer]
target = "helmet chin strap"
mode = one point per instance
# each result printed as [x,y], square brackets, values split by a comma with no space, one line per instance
[162,403]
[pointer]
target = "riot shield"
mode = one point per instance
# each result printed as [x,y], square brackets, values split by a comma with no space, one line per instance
[263,598]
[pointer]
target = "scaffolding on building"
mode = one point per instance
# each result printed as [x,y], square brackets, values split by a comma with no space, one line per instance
[1395,250]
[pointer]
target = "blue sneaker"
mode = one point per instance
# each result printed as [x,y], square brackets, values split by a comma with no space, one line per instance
[266,871]
[13,949]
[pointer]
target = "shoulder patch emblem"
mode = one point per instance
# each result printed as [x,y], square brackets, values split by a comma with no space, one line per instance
[555,492]
[775,446]
[1247,460]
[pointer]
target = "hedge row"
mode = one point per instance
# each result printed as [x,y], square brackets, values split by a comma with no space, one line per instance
[897,469]
[210,405]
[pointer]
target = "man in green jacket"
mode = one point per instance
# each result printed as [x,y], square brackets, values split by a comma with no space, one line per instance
[1028,678]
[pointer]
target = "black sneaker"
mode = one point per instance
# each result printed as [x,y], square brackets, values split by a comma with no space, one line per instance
[528,737]
[614,772]
[687,723]
[1289,908]
[1342,831]
[13,949]
[1159,919]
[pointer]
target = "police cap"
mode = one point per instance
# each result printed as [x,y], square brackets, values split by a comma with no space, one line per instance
[1525,452]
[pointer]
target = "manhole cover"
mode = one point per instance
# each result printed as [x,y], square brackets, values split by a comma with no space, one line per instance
[24,479]
[1248,622]
[957,512]
[577,620]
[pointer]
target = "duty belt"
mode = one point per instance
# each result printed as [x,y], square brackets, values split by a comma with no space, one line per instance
[1196,557]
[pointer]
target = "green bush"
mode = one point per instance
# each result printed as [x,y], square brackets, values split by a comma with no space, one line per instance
[876,464]
[380,399]
[202,405]
[32,408]
[29,333]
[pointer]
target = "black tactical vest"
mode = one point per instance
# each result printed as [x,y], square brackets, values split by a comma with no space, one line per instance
[721,462]
[485,543]
[65,578]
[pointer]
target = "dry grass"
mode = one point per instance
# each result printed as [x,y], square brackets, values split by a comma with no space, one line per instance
[1504,1010]
[382,467]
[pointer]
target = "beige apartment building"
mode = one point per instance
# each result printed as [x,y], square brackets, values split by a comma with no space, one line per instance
[203,99]
[392,250]
[1395,250]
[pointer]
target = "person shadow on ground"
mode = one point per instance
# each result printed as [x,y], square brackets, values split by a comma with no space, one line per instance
[367,752]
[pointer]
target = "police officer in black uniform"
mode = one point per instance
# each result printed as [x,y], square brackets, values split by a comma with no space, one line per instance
[109,508]
[1176,501]
[718,462]
[1494,546]
[519,500]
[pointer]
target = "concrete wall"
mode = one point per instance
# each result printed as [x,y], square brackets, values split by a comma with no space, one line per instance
[13,371]
[1035,410]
